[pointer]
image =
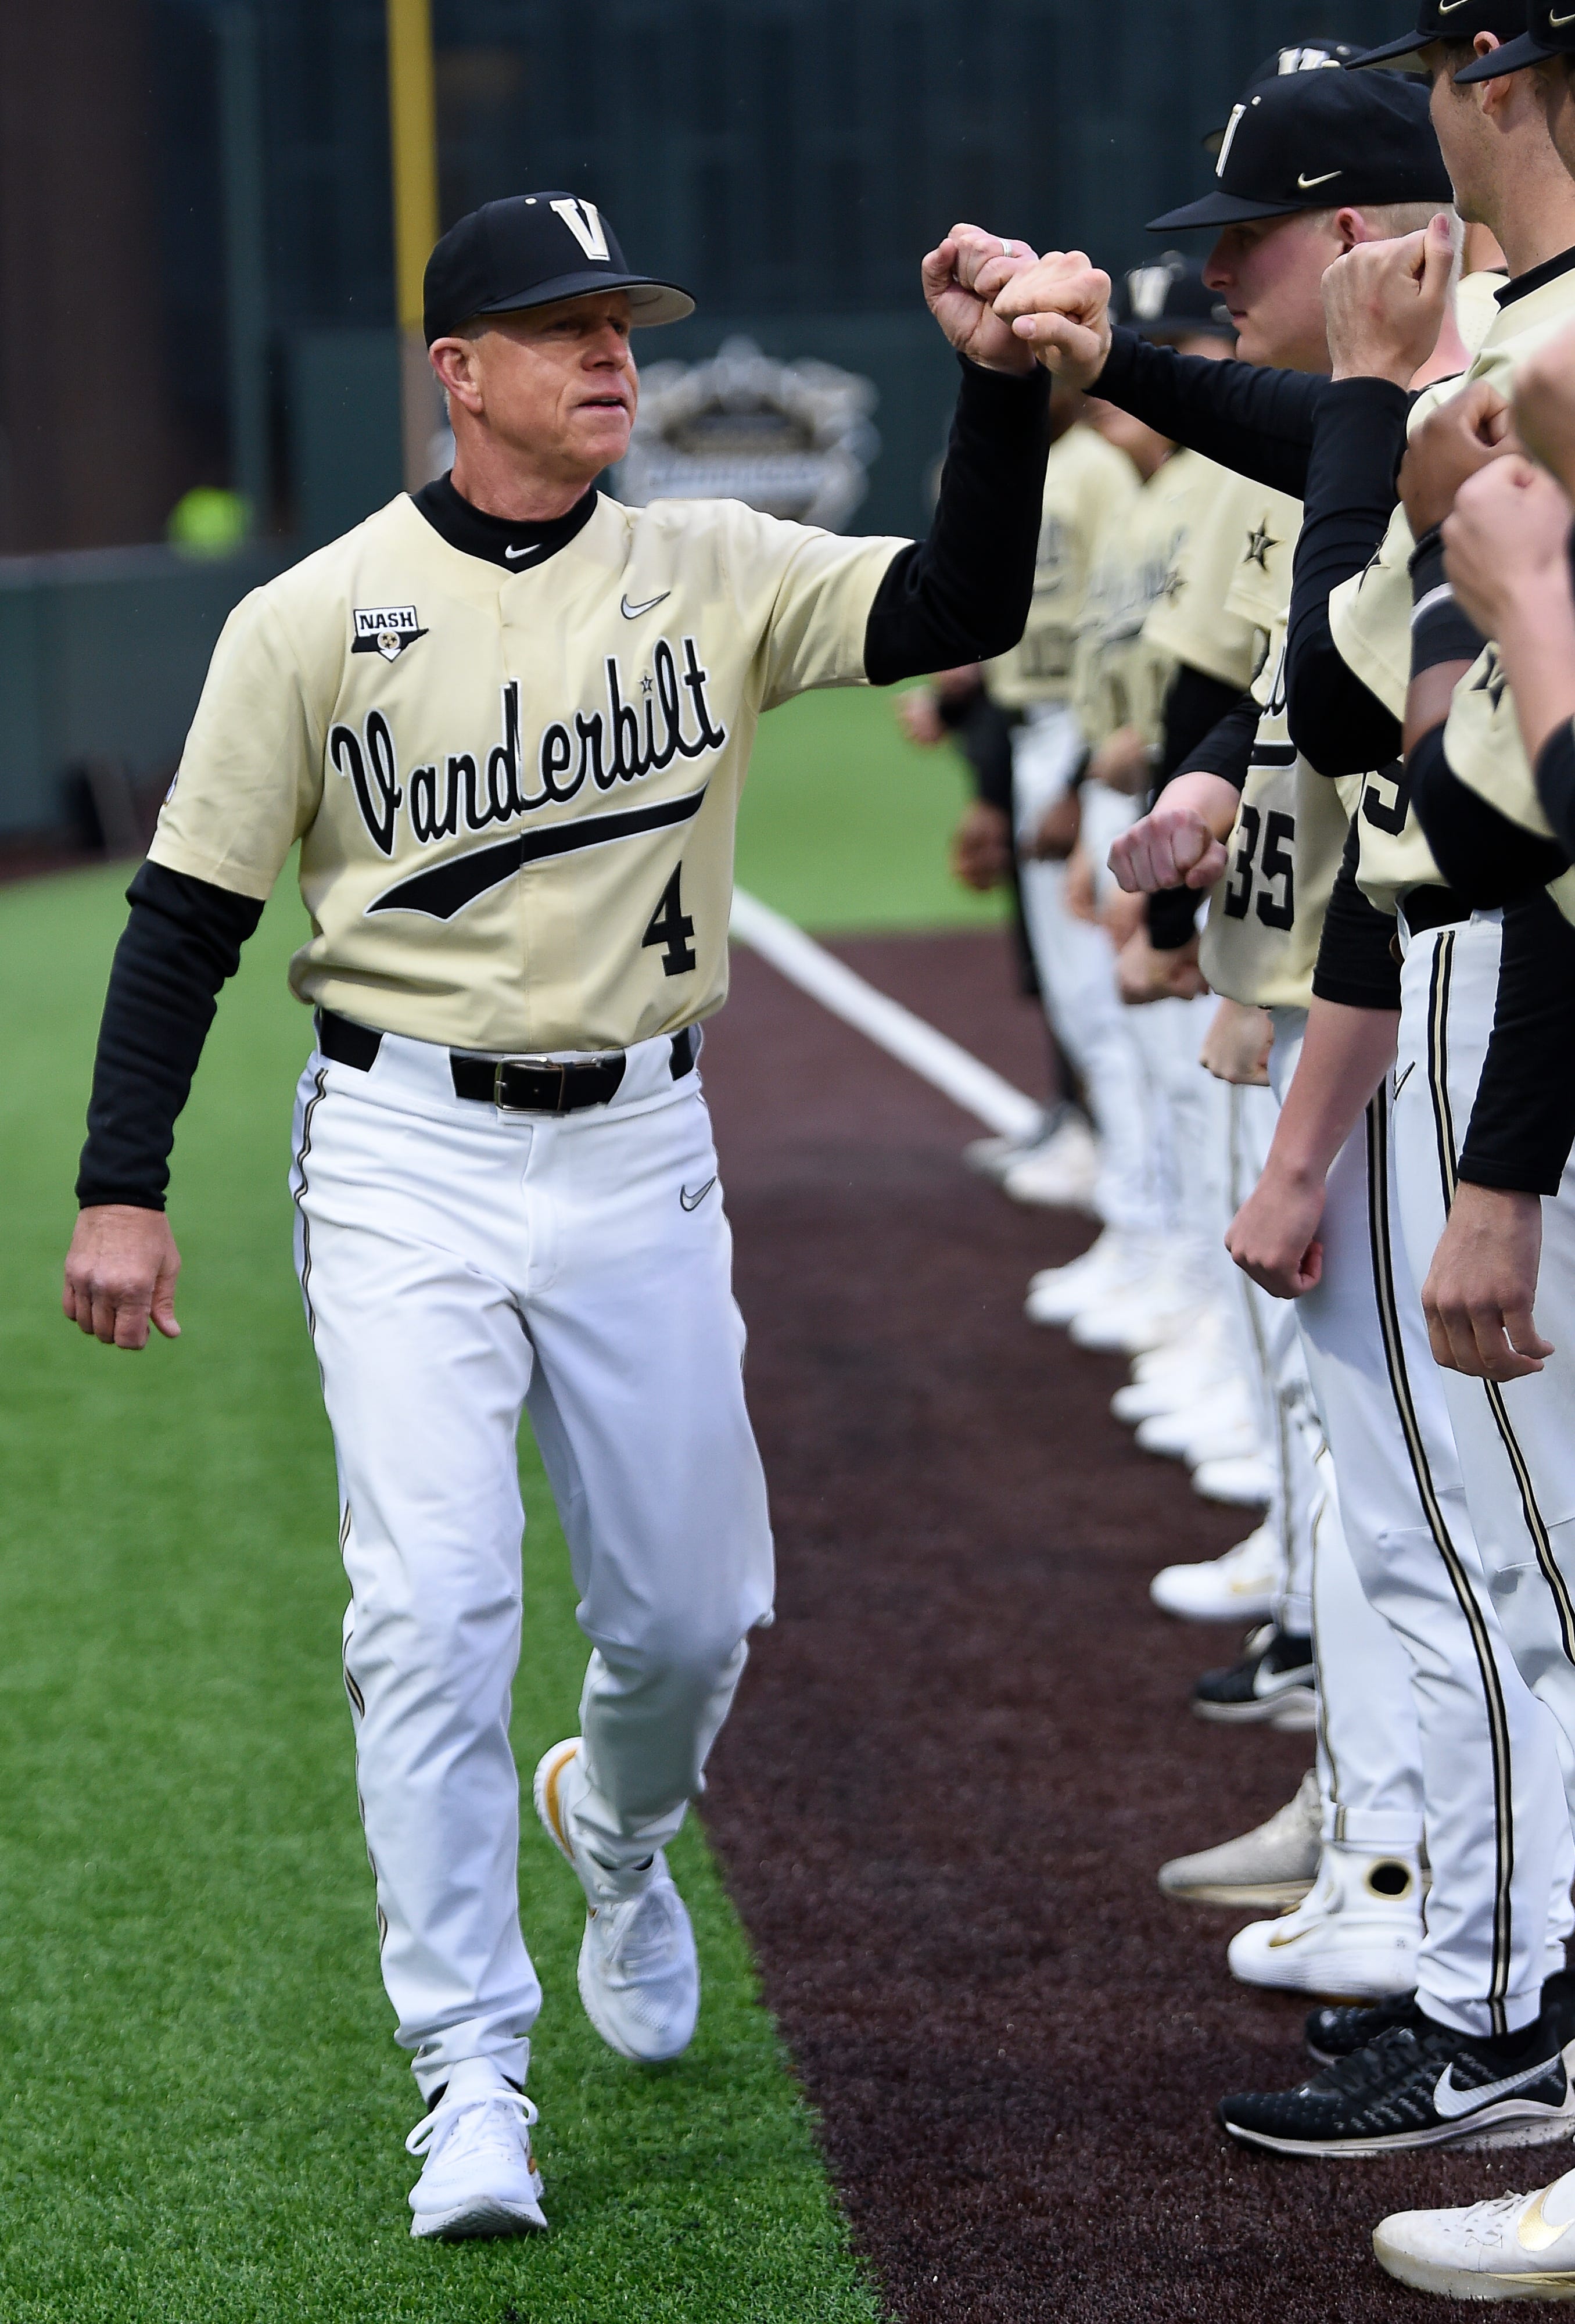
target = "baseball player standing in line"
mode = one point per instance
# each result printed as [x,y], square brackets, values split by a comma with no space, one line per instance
[508,721]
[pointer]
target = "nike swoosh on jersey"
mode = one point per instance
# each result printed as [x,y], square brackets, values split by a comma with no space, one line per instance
[692,1202]
[1452,2103]
[447,888]
[1307,184]
[532,552]
[632,612]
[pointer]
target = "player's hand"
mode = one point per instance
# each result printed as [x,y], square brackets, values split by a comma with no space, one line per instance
[1385,303]
[120,1275]
[1169,847]
[1274,1236]
[1453,443]
[1480,1289]
[918,714]
[1054,836]
[961,278]
[1544,407]
[1061,308]
[1122,916]
[1144,974]
[1507,540]
[1122,763]
[981,847]
[1237,1045]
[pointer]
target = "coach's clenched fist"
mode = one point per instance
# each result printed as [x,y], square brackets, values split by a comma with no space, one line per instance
[961,277]
[1061,308]
[120,1275]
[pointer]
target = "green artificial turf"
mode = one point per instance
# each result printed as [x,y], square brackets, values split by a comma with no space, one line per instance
[844,824]
[202,2107]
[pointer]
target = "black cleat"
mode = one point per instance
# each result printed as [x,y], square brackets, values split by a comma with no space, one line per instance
[1338,2028]
[1418,2084]
[1274,1684]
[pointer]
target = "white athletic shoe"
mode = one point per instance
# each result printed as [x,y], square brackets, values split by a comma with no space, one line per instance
[1353,1937]
[1138,1317]
[1239,1586]
[1062,1172]
[1188,1373]
[992,1157]
[1240,1484]
[1274,1864]
[1055,1293]
[1220,1426]
[1510,2247]
[638,1976]
[480,2176]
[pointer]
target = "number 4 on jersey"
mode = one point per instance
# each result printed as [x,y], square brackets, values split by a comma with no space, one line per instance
[672,926]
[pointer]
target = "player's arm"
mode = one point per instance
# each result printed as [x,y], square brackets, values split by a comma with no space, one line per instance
[1180,843]
[1480,1288]
[1257,423]
[1194,705]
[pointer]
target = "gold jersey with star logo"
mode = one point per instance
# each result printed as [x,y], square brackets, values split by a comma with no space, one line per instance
[1089,486]
[1236,527]
[1119,675]
[514,792]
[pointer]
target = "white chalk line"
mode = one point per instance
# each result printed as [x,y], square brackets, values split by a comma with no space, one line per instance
[944,1063]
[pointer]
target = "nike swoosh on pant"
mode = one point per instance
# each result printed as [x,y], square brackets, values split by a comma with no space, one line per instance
[1452,2103]
[692,1202]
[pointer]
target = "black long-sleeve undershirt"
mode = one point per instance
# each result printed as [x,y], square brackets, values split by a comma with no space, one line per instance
[1256,422]
[1356,964]
[1208,726]
[1359,441]
[1555,777]
[1523,1119]
[961,596]
[1486,859]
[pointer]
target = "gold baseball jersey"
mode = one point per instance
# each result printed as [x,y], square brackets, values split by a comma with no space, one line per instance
[1119,678]
[1370,615]
[1482,742]
[1194,622]
[514,792]
[1087,486]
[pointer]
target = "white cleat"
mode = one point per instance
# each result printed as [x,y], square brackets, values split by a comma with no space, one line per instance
[1221,1426]
[480,2176]
[1240,1484]
[1135,1319]
[992,1157]
[1061,1172]
[638,1976]
[1056,1293]
[1353,1937]
[1510,2247]
[1239,1586]
[1274,1865]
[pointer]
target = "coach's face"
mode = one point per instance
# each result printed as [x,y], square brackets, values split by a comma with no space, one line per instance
[556,383]
[1269,272]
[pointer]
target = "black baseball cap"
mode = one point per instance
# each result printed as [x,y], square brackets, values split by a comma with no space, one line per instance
[1169,300]
[1550,31]
[1446,20]
[528,250]
[1303,56]
[1312,141]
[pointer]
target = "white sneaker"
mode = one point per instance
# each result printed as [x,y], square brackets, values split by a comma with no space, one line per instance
[638,1976]
[1240,1484]
[1353,1937]
[1137,1318]
[1239,1586]
[1062,1172]
[1189,1374]
[1274,1864]
[992,1157]
[1510,2247]
[480,2176]
[1056,1293]
[1220,1426]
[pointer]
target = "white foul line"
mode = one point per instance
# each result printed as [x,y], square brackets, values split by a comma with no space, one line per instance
[941,1062]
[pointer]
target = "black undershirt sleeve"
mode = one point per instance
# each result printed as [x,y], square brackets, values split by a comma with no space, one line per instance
[1356,964]
[1359,441]
[1195,705]
[1523,1121]
[182,941]
[963,594]
[1484,857]
[1256,422]
[1555,772]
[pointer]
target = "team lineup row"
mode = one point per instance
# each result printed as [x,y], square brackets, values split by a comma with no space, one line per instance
[1284,774]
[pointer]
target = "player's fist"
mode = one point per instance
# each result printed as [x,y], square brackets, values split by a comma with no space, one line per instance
[120,1275]
[1385,303]
[1464,435]
[1171,846]
[961,277]
[1061,308]
[1507,542]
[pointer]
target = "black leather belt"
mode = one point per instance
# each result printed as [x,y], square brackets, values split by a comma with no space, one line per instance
[517,1085]
[1432,908]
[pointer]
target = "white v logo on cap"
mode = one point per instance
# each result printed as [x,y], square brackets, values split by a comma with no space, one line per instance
[1232,126]
[584,221]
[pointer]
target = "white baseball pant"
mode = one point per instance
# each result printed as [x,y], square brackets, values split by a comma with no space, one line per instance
[460,1264]
[1517,1447]
[1498,1909]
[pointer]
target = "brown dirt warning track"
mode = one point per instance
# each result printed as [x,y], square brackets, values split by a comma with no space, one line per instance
[961,1752]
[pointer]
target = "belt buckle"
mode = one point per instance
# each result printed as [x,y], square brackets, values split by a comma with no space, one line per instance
[533,1066]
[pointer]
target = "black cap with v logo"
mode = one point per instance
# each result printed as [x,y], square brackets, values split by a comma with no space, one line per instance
[527,252]
[1315,141]
[1446,20]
